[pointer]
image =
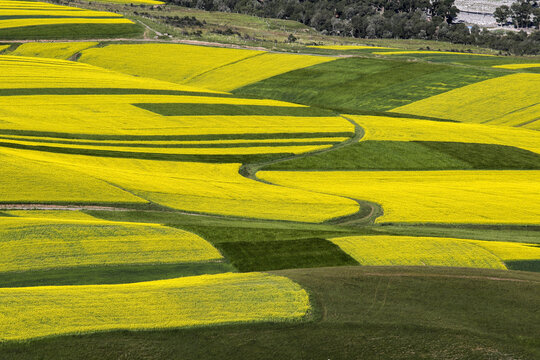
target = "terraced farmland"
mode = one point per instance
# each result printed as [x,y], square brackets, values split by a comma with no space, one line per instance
[349,201]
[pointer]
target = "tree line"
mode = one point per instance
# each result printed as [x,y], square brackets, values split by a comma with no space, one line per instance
[401,19]
[521,14]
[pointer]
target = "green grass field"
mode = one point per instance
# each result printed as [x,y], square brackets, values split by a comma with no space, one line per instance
[360,85]
[72,32]
[415,155]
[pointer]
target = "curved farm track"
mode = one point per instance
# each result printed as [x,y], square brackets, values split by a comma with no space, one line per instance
[368,212]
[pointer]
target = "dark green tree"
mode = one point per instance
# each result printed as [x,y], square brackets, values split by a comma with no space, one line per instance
[502,14]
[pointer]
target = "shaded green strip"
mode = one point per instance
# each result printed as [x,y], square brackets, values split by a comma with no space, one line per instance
[245,136]
[487,156]
[151,156]
[393,114]
[524,265]
[416,155]
[102,91]
[177,146]
[71,31]
[184,109]
[290,254]
[110,274]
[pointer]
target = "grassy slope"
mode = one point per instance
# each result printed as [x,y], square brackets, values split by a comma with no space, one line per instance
[360,312]
[276,255]
[474,60]
[120,274]
[360,85]
[417,155]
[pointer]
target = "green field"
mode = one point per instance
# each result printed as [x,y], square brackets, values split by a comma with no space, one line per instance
[416,155]
[72,32]
[360,85]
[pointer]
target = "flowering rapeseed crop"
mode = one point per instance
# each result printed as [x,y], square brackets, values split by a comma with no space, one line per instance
[37,13]
[405,129]
[414,251]
[200,66]
[44,243]
[468,196]
[137,2]
[208,188]
[191,301]
[510,251]
[252,70]
[28,181]
[17,72]
[170,62]
[510,100]
[517,66]
[52,50]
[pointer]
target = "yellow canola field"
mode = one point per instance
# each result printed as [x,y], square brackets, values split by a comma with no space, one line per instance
[205,188]
[28,181]
[61,12]
[3,47]
[191,301]
[13,23]
[56,50]
[201,66]
[493,101]
[115,114]
[481,197]
[511,251]
[170,62]
[245,150]
[17,72]
[517,66]
[348,47]
[40,13]
[17,4]
[43,243]
[417,251]
[516,118]
[403,129]
[428,52]
[253,69]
